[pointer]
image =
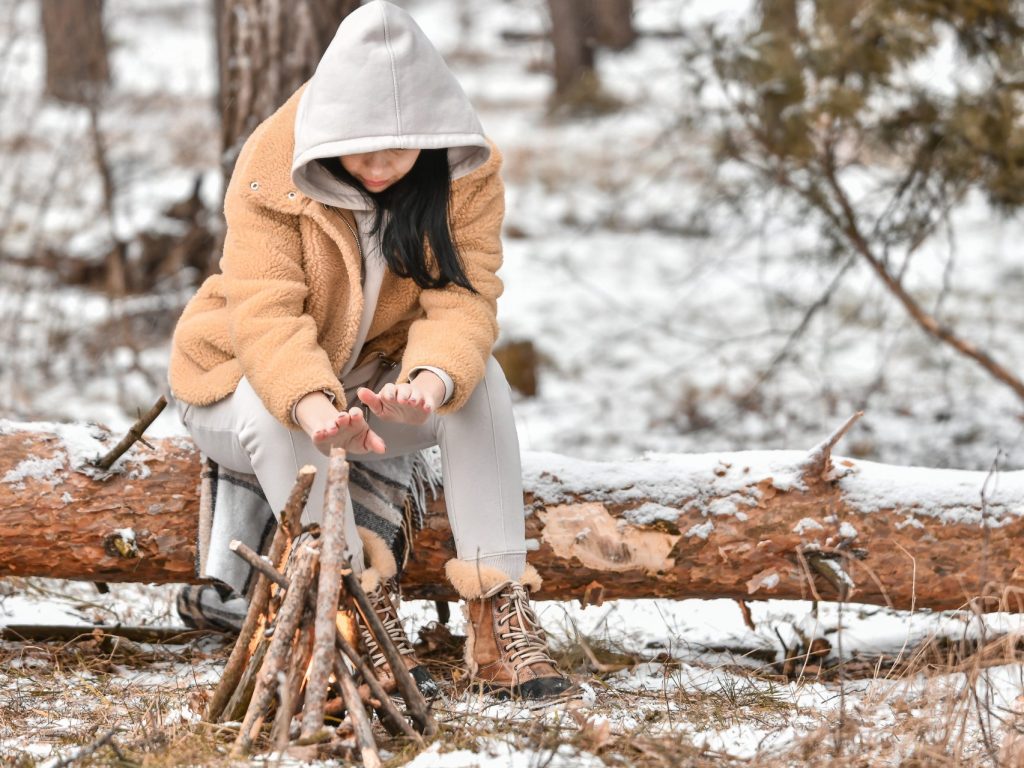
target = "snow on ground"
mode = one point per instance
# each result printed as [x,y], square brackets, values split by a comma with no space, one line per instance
[656,311]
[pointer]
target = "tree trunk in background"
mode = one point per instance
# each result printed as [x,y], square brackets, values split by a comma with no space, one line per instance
[77,69]
[572,35]
[265,51]
[613,22]
[762,524]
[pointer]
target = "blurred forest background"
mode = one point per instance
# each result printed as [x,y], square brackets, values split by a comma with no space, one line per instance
[730,224]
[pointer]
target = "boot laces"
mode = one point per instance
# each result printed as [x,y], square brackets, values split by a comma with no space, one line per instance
[524,639]
[385,610]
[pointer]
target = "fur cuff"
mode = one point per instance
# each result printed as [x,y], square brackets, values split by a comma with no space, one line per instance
[380,562]
[473,580]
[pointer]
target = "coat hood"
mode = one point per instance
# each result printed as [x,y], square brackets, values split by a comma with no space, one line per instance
[381,85]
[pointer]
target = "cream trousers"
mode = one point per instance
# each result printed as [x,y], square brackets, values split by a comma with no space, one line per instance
[481,469]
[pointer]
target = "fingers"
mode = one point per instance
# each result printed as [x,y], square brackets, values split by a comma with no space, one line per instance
[371,399]
[397,403]
[373,442]
[350,431]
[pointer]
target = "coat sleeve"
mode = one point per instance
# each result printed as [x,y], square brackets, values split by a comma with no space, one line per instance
[458,327]
[264,285]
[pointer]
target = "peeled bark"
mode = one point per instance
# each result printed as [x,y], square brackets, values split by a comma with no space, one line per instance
[779,524]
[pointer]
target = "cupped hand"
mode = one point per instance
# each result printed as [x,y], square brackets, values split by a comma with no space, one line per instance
[347,430]
[410,403]
[328,427]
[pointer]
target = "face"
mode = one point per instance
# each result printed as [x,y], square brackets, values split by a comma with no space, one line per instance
[379,170]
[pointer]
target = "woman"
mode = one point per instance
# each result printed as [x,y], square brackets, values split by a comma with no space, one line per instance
[356,307]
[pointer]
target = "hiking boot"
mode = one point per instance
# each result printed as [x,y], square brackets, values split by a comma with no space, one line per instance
[375,580]
[506,649]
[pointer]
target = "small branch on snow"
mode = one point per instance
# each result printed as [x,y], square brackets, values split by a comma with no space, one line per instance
[133,436]
[819,458]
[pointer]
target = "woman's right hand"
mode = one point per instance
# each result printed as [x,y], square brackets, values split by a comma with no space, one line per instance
[328,427]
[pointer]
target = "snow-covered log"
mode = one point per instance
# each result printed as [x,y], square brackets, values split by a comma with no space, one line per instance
[784,524]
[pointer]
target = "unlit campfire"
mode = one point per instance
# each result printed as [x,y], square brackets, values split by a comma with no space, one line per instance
[296,663]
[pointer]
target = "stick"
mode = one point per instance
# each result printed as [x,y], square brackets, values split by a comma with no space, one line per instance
[239,700]
[134,435]
[291,692]
[88,750]
[260,564]
[360,722]
[292,513]
[403,678]
[820,456]
[69,632]
[332,545]
[286,623]
[389,715]
[243,649]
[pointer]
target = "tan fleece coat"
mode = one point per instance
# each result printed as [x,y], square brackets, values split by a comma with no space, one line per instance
[285,308]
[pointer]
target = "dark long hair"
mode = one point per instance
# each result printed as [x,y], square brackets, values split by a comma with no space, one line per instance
[417,205]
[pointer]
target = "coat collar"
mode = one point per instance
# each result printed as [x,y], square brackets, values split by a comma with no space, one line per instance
[263,174]
[264,165]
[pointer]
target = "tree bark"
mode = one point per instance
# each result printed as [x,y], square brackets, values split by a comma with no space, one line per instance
[265,50]
[572,36]
[77,69]
[774,524]
[613,24]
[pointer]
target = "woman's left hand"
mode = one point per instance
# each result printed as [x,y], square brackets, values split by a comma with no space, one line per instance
[410,403]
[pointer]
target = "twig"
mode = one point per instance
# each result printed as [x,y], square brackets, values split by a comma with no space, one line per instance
[260,598]
[292,513]
[84,752]
[816,465]
[847,225]
[259,564]
[69,632]
[291,690]
[403,678]
[332,546]
[286,623]
[388,712]
[360,722]
[748,618]
[390,716]
[134,434]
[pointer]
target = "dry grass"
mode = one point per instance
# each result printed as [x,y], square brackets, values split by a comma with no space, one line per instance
[933,705]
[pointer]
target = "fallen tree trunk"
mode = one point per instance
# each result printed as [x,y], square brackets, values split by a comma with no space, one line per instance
[772,524]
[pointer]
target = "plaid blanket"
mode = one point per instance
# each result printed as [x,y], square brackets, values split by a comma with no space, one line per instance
[388,496]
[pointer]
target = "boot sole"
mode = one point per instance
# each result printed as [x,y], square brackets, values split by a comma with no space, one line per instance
[528,692]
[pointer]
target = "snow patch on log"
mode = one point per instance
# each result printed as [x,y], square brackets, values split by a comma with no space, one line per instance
[766,580]
[712,483]
[701,530]
[952,497]
[807,524]
[651,512]
[77,447]
[34,468]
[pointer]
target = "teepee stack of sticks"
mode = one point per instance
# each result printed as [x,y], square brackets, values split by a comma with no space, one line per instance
[297,656]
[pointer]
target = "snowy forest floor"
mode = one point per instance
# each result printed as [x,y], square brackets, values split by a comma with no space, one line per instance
[659,312]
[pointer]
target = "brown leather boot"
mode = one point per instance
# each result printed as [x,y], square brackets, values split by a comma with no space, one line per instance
[375,580]
[506,649]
